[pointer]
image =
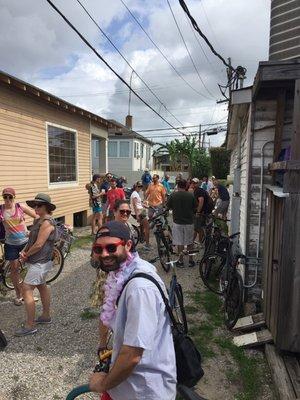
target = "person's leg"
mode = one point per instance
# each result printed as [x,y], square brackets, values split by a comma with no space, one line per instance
[100,219]
[27,292]
[45,298]
[15,276]
[94,221]
[180,250]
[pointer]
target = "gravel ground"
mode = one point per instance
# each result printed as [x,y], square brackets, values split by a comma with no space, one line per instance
[61,355]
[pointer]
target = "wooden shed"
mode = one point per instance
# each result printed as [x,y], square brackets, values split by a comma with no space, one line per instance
[46,145]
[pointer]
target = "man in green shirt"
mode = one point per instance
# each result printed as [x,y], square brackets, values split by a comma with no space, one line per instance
[183,204]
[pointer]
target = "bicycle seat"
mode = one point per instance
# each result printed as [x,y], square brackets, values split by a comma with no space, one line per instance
[234,235]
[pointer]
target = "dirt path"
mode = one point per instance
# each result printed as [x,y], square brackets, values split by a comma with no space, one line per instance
[61,356]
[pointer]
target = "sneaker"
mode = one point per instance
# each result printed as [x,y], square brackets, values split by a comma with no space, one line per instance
[42,320]
[192,264]
[23,331]
[180,264]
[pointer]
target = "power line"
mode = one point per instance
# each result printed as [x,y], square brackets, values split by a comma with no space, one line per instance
[196,27]
[187,49]
[180,127]
[108,65]
[161,52]
[127,62]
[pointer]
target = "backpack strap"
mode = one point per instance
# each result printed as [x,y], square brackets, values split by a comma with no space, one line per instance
[154,281]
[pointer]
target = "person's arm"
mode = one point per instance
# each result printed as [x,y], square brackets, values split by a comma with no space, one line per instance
[134,202]
[27,210]
[127,360]
[163,194]
[122,193]
[44,232]
[200,204]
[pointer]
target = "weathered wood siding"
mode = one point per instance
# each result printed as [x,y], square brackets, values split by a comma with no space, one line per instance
[23,151]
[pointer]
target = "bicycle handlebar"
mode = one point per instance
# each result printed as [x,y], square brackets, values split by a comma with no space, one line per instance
[78,391]
[185,392]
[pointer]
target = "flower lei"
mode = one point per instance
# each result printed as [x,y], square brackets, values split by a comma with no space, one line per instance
[112,289]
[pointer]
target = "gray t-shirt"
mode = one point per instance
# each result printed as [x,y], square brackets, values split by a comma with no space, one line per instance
[142,321]
[95,192]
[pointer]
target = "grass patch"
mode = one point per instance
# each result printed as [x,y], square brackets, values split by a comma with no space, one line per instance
[83,241]
[88,314]
[249,372]
[191,309]
[201,335]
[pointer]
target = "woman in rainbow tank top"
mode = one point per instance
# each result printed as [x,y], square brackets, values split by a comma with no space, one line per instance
[16,236]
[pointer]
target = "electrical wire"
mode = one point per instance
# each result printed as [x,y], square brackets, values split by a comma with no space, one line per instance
[188,51]
[162,53]
[109,66]
[196,27]
[181,127]
[126,61]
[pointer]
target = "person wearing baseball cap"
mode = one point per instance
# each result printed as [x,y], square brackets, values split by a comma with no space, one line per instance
[15,235]
[143,361]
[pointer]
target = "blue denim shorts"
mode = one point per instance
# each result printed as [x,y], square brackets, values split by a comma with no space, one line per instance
[12,252]
[97,209]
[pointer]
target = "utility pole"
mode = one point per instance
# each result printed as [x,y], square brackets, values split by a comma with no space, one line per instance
[199,140]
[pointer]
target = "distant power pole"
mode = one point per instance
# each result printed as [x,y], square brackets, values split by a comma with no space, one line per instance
[199,137]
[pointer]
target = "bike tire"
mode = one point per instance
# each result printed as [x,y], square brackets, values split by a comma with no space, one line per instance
[65,247]
[233,300]
[3,341]
[58,264]
[7,282]
[211,268]
[135,234]
[178,308]
[163,252]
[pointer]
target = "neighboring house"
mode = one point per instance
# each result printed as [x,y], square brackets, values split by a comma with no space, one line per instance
[129,153]
[264,137]
[49,145]
[161,161]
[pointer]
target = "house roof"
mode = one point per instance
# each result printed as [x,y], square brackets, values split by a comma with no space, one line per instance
[119,130]
[43,96]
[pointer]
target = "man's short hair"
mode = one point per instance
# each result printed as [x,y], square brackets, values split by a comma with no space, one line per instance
[156,175]
[182,184]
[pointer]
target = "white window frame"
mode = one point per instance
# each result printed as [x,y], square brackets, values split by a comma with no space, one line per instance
[136,150]
[119,146]
[112,141]
[55,185]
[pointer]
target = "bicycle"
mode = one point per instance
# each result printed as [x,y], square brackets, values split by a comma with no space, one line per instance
[65,238]
[103,366]
[163,236]
[175,293]
[5,278]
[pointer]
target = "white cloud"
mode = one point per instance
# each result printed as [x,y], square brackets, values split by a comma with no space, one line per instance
[34,39]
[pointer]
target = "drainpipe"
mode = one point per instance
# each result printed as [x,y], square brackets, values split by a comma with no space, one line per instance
[261,193]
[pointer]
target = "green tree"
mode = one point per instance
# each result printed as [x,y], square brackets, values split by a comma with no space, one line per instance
[220,162]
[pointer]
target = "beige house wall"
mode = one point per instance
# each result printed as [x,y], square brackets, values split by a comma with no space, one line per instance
[24,152]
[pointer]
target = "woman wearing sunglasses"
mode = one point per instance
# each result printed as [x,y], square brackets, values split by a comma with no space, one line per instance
[38,257]
[16,235]
[139,213]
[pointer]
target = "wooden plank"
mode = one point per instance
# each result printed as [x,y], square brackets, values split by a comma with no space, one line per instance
[285,165]
[279,123]
[293,369]
[250,322]
[253,339]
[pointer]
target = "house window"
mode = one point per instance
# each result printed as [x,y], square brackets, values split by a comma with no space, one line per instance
[113,149]
[124,149]
[62,154]
[136,150]
[142,150]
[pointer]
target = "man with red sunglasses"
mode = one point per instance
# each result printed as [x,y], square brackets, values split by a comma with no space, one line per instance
[143,362]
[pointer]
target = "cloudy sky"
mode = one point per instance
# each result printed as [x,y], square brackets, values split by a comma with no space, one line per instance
[37,46]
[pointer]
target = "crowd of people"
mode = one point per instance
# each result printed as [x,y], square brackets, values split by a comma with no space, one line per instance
[143,363]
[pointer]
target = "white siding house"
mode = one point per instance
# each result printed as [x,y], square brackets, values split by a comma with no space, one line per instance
[129,153]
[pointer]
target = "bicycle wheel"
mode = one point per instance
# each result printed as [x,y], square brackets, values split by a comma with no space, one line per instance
[178,308]
[3,341]
[211,269]
[58,263]
[233,300]
[65,246]
[135,234]
[7,281]
[163,252]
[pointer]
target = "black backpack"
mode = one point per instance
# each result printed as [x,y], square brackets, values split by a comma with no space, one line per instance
[188,358]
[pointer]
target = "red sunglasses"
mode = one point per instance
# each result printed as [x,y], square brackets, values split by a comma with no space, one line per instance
[110,248]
